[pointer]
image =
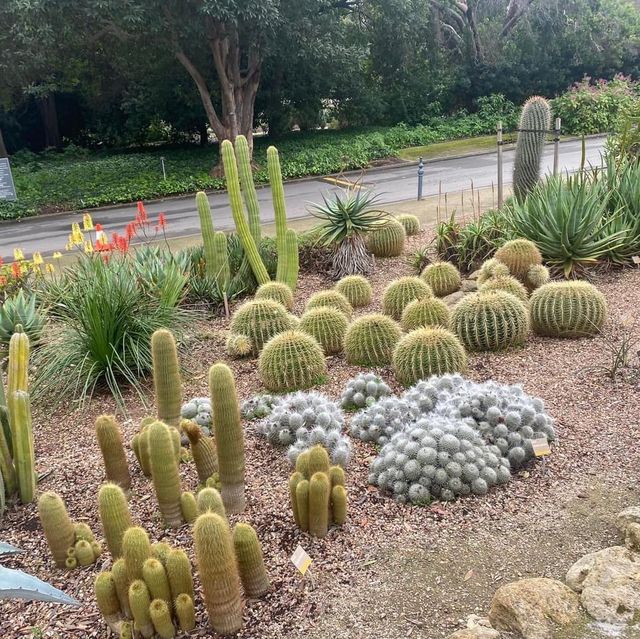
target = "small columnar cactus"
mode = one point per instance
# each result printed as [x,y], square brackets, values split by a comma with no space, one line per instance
[185,612]
[121,580]
[443,278]
[363,390]
[155,576]
[400,292]
[505,283]
[490,321]
[292,361]
[22,433]
[139,601]
[260,320]
[426,352]
[114,515]
[327,325]
[84,554]
[425,312]
[333,299]
[110,442]
[410,223]
[107,597]
[166,377]
[370,340]
[319,501]
[239,346]
[203,449]
[276,291]
[209,500]
[387,240]
[160,614]
[199,411]
[160,550]
[519,256]
[136,549]
[253,574]
[356,289]
[567,309]
[492,268]
[178,569]
[58,528]
[189,507]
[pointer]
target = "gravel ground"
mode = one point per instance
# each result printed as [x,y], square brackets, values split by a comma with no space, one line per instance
[391,571]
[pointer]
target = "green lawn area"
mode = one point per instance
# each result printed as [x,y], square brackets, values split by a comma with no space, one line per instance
[449,148]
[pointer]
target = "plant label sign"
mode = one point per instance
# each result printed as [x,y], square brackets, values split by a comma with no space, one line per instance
[541,447]
[636,259]
[301,560]
[7,187]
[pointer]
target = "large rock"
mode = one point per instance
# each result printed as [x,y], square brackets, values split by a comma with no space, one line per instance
[628,516]
[477,632]
[469,286]
[454,298]
[609,584]
[534,608]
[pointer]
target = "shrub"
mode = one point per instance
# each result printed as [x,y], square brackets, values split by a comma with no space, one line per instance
[400,292]
[370,340]
[443,278]
[388,240]
[356,289]
[260,320]
[332,299]
[411,224]
[327,325]
[363,390]
[427,311]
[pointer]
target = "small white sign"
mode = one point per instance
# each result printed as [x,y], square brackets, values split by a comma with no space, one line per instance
[301,560]
[636,259]
[541,447]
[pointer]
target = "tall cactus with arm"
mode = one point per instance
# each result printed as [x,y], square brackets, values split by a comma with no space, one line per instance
[207,230]
[279,208]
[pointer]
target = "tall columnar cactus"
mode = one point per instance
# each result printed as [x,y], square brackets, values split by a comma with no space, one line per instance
[400,292]
[208,232]
[136,549]
[166,377]
[387,240]
[160,614]
[292,361]
[519,256]
[57,527]
[356,289]
[319,501]
[139,601]
[490,321]
[237,210]
[203,450]
[110,442]
[567,309]
[291,265]
[249,193]
[18,367]
[260,320]
[535,121]
[443,278]
[185,612]
[115,516]
[219,576]
[427,311]
[333,299]
[370,340]
[302,504]
[178,569]
[221,261]
[276,291]
[107,597]
[229,436]
[294,480]
[253,574]
[426,352]
[279,208]
[165,475]
[155,576]
[121,580]
[327,325]
[24,457]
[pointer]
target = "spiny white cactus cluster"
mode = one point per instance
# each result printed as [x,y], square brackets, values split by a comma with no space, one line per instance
[388,416]
[198,410]
[258,407]
[365,389]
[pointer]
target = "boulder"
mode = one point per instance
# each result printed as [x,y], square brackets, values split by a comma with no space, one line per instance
[469,286]
[627,516]
[477,632]
[632,538]
[453,299]
[609,584]
[534,608]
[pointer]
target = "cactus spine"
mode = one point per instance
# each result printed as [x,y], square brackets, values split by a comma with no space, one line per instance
[229,436]
[185,612]
[178,569]
[107,597]
[166,377]
[56,525]
[139,602]
[218,573]
[110,442]
[253,574]
[155,577]
[24,457]
[136,549]
[203,450]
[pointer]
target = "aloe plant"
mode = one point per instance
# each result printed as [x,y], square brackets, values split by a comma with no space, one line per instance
[21,309]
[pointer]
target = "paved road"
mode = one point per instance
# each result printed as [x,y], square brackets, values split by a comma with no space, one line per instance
[49,233]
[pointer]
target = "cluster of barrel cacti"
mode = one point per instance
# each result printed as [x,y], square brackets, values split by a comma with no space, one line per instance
[387,240]
[524,261]
[71,544]
[17,459]
[317,492]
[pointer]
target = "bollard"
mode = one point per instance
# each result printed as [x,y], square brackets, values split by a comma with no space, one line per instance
[420,178]
[556,147]
[500,143]
[164,173]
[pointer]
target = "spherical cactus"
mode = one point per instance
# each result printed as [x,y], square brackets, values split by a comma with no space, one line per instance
[402,291]
[276,291]
[388,240]
[505,283]
[356,289]
[427,311]
[328,325]
[253,574]
[490,321]
[443,278]
[492,268]
[185,612]
[537,276]
[178,569]
[410,223]
[56,525]
[333,299]
[239,346]
[83,531]
[260,320]
[519,256]
[426,352]
[292,361]
[136,549]
[370,340]
[114,515]
[110,442]
[567,309]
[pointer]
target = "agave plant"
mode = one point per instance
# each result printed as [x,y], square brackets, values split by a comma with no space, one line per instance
[345,220]
[21,309]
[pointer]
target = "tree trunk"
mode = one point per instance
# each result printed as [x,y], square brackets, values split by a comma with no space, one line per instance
[203,131]
[49,116]
[3,147]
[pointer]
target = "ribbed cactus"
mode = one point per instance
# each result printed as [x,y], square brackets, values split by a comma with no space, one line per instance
[294,480]
[292,361]
[519,256]
[492,268]
[7,469]
[203,450]
[327,325]
[107,597]
[160,614]
[319,501]
[121,581]
[333,299]
[336,476]
[84,553]
[229,436]
[207,231]
[426,352]
[110,442]
[443,278]
[218,570]
[318,461]
[249,194]
[370,340]
[260,320]
[209,499]
[185,612]
[505,283]
[387,240]
[160,550]
[410,223]
[302,463]
[239,346]
[490,321]
[114,515]
[339,504]
[189,507]
[253,574]
[302,504]
[57,527]
[535,121]
[139,602]
[155,576]
[276,291]
[166,377]
[83,531]
[23,453]
[17,369]
[537,276]
[356,289]
[178,569]
[279,208]
[400,292]
[221,264]
[237,210]
[136,549]
[567,309]
[427,311]
[291,264]
[165,475]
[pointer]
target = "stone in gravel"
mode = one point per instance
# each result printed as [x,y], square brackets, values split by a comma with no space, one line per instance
[469,286]
[534,607]
[627,516]
[632,538]
[454,298]
[477,632]
[474,275]
[609,583]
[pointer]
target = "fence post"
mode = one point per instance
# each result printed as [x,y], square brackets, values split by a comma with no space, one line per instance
[164,171]
[500,143]
[556,146]
[420,177]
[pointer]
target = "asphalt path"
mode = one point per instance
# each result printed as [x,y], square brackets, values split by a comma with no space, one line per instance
[49,233]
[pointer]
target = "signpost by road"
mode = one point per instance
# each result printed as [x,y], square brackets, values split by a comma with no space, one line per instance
[7,187]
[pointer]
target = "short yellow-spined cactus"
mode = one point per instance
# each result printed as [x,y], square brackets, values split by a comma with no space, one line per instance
[178,569]
[185,612]
[443,278]
[400,292]
[139,601]
[332,299]
[165,475]
[114,515]
[357,289]
[107,597]
[110,442]
[203,450]
[327,325]
[155,576]
[253,574]
[136,549]
[370,340]
[58,528]
[277,291]
[427,311]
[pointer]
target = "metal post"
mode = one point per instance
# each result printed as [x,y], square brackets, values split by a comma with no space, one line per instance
[556,147]
[164,172]
[420,178]
[500,143]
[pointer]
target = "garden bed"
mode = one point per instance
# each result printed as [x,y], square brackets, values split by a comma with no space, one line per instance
[392,570]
